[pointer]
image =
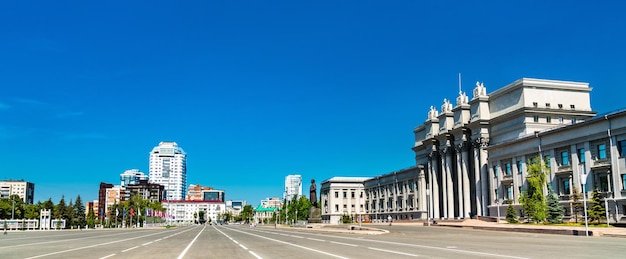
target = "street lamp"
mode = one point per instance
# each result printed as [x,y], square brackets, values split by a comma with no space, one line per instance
[583,181]
[497,201]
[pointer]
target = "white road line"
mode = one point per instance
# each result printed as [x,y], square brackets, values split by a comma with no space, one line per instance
[287,243]
[191,243]
[107,256]
[421,246]
[101,244]
[315,239]
[244,248]
[255,255]
[296,236]
[126,250]
[393,252]
[345,244]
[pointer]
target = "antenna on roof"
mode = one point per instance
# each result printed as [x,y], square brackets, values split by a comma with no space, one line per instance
[460,84]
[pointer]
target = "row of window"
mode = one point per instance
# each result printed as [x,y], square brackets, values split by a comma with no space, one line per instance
[560,105]
[561,120]
[345,195]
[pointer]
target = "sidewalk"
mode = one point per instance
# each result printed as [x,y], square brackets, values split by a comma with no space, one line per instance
[559,230]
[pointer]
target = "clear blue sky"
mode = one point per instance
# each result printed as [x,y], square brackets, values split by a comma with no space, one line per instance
[256,90]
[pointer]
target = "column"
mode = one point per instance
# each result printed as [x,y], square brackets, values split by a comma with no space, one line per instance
[450,186]
[484,176]
[477,179]
[434,186]
[422,192]
[459,181]
[466,184]
[444,184]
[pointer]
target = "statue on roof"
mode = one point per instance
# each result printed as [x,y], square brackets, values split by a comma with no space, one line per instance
[446,106]
[432,113]
[480,90]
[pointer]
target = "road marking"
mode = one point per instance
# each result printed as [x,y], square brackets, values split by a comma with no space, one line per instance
[420,246]
[393,252]
[321,240]
[345,244]
[244,248]
[287,243]
[107,256]
[191,243]
[296,236]
[126,250]
[450,247]
[255,255]
[101,244]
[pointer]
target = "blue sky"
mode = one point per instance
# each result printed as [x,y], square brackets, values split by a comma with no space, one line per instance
[256,90]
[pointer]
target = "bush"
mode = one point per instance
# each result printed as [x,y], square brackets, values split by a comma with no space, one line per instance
[511,214]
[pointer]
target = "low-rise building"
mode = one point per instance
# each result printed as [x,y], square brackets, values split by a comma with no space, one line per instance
[342,196]
[187,212]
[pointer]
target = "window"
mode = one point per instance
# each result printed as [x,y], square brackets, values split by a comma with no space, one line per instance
[336,194]
[547,105]
[495,171]
[603,183]
[519,166]
[573,120]
[345,195]
[509,192]
[508,169]
[336,207]
[564,158]
[496,194]
[602,151]
[624,182]
[546,158]
[560,120]
[573,107]
[621,147]
[345,206]
[535,104]
[548,119]
[565,187]
[352,195]
[560,106]
[581,155]
[361,195]
[535,118]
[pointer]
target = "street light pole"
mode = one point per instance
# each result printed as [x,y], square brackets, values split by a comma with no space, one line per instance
[13,209]
[606,208]
[583,181]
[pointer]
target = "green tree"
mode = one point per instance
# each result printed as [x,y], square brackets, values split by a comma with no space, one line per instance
[90,220]
[59,209]
[555,210]
[247,213]
[533,200]
[511,214]
[69,215]
[577,204]
[596,210]
[31,211]
[79,212]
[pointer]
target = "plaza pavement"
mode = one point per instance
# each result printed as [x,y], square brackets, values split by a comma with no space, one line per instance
[374,229]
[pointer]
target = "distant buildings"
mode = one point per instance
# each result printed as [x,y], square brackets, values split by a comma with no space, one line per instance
[26,190]
[235,207]
[132,176]
[189,211]
[272,203]
[195,192]
[293,186]
[168,167]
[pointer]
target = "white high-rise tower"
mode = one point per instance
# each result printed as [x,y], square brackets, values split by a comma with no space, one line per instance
[168,167]
[293,186]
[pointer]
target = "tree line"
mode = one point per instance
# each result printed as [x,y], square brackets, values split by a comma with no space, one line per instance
[74,213]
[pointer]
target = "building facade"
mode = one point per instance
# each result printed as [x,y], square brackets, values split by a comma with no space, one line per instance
[343,196]
[168,167]
[187,212]
[399,194]
[132,176]
[195,192]
[293,187]
[26,190]
[147,191]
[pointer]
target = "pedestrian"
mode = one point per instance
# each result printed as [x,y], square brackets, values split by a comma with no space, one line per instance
[389,219]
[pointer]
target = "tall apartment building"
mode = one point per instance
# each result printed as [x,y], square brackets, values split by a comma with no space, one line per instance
[293,187]
[26,190]
[132,176]
[168,167]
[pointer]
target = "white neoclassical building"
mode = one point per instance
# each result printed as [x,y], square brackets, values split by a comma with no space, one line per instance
[342,196]
[184,211]
[471,157]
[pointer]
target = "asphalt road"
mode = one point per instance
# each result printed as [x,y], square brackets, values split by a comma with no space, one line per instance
[240,241]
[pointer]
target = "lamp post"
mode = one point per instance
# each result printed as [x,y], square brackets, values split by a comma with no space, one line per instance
[497,201]
[12,209]
[427,206]
[583,181]
[606,208]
